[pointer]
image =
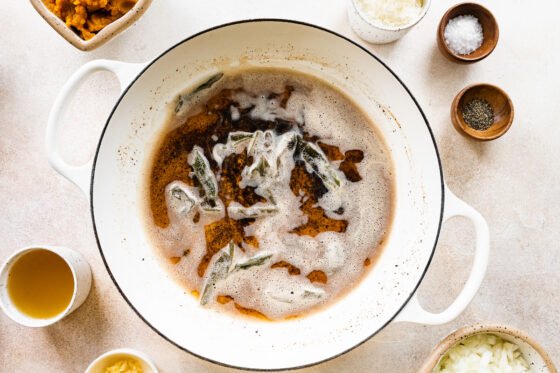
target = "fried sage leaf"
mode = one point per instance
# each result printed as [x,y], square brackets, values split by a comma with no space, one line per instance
[301,294]
[209,83]
[236,143]
[261,148]
[219,271]
[203,173]
[315,159]
[261,144]
[258,169]
[212,206]
[237,211]
[182,200]
[254,261]
[239,137]
[293,140]
[182,99]
[223,267]
[312,292]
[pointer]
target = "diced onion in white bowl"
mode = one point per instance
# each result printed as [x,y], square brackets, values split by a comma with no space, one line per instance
[483,353]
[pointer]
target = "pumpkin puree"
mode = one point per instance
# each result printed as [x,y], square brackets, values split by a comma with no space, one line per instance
[87,17]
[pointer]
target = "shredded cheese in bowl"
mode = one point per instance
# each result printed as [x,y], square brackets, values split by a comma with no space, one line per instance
[391,12]
[483,353]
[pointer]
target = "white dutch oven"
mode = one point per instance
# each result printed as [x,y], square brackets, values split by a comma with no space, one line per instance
[112,182]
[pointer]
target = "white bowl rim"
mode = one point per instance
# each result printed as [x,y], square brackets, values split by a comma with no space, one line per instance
[295,22]
[124,351]
[15,316]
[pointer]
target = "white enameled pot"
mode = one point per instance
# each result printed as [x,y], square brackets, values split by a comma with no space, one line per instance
[112,183]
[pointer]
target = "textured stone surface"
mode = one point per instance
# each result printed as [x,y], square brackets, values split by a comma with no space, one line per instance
[514,182]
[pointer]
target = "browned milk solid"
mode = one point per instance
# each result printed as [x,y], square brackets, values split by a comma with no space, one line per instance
[336,120]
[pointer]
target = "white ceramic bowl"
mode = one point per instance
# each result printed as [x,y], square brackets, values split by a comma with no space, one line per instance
[376,32]
[422,203]
[111,357]
[81,274]
[532,351]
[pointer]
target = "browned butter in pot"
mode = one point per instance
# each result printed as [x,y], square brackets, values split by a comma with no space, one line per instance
[269,192]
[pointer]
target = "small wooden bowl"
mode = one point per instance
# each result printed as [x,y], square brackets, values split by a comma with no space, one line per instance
[489,28]
[537,358]
[497,98]
[103,36]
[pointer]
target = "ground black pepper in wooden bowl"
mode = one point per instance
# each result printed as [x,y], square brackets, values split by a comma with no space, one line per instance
[478,114]
[482,112]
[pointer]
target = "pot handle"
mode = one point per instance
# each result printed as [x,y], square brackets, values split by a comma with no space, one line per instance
[80,175]
[413,312]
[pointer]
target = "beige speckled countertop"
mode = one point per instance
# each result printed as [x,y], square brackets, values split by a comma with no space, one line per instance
[514,181]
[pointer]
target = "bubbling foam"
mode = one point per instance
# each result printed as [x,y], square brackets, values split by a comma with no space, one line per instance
[318,113]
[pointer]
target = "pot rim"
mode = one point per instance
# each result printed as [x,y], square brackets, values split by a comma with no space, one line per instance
[256,20]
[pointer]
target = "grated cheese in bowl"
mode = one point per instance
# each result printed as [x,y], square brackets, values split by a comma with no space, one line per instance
[483,353]
[391,12]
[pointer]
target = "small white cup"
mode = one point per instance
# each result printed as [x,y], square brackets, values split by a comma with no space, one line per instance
[81,274]
[378,33]
[110,357]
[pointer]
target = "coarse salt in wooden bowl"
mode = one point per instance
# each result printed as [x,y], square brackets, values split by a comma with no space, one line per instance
[103,36]
[497,98]
[490,30]
[538,359]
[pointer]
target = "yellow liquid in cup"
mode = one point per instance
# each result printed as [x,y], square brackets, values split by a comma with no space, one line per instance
[40,284]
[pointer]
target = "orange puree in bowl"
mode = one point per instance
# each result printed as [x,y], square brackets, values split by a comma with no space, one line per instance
[87,17]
